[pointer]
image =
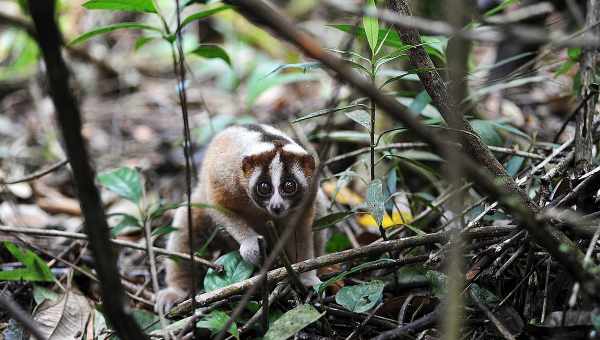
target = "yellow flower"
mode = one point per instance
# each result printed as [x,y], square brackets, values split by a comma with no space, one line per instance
[368,221]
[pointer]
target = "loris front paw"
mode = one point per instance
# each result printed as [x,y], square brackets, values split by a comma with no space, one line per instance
[167,298]
[250,251]
[310,279]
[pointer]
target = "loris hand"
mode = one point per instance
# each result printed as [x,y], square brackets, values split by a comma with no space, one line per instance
[250,251]
[167,298]
[310,279]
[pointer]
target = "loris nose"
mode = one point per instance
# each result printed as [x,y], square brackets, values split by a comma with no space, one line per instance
[277,208]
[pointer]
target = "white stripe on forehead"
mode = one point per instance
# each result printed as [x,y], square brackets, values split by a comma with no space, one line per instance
[258,148]
[273,131]
[276,171]
[295,149]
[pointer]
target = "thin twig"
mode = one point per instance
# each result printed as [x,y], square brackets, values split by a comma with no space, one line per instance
[37,174]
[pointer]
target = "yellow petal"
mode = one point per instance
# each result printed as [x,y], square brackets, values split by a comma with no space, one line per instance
[398,218]
[344,195]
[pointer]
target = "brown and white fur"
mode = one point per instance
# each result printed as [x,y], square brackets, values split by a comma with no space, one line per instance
[258,174]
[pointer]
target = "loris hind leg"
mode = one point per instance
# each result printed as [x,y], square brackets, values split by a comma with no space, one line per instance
[179,273]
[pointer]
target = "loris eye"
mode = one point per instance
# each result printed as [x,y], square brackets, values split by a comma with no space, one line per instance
[289,187]
[264,189]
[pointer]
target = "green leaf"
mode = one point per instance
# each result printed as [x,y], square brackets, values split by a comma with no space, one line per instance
[361,117]
[376,200]
[35,269]
[212,51]
[332,219]
[371,27]
[216,321]
[305,67]
[487,131]
[203,14]
[514,165]
[146,320]
[235,269]
[146,6]
[326,112]
[125,182]
[362,297]
[41,293]
[141,41]
[167,229]
[106,29]
[292,322]
[127,221]
[437,280]
[337,242]
[420,102]
[574,53]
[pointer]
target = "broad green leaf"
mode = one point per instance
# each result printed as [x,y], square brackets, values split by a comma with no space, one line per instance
[212,51]
[361,117]
[371,27]
[235,269]
[35,269]
[216,321]
[574,53]
[376,200]
[146,6]
[332,219]
[146,320]
[337,242]
[106,29]
[487,131]
[125,182]
[203,14]
[362,297]
[292,322]
[326,112]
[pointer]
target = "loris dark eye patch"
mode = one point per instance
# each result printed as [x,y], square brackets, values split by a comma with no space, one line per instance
[264,189]
[289,187]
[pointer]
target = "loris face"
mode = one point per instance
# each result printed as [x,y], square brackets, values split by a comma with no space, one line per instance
[278,177]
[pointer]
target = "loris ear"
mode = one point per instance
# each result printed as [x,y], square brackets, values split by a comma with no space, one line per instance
[308,165]
[248,163]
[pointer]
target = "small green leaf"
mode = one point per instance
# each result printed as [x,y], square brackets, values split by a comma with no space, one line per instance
[125,182]
[106,29]
[35,269]
[376,200]
[371,26]
[361,117]
[203,14]
[216,321]
[326,112]
[337,242]
[167,229]
[437,280]
[126,221]
[41,293]
[146,6]
[514,165]
[362,297]
[574,53]
[420,102]
[211,51]
[141,41]
[235,269]
[332,219]
[292,322]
